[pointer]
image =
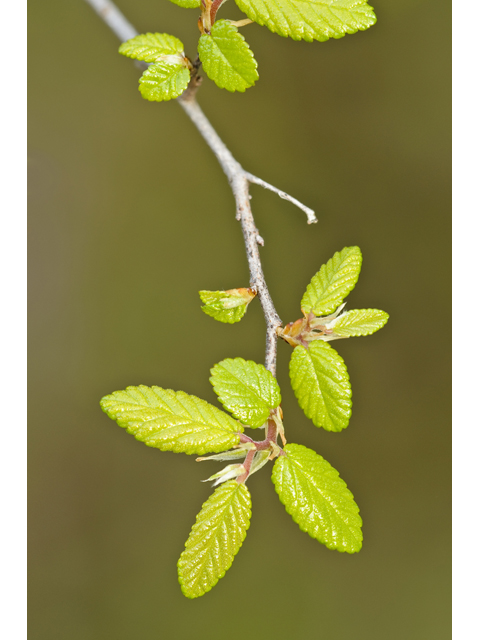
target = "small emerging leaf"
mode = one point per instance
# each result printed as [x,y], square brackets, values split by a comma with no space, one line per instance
[187,4]
[172,421]
[321,384]
[234,454]
[227,473]
[227,306]
[333,282]
[151,46]
[359,322]
[310,19]
[246,389]
[215,539]
[227,58]
[317,499]
[164,80]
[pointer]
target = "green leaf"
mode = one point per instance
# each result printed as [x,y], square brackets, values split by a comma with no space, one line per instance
[187,4]
[317,499]
[310,19]
[227,306]
[227,58]
[172,420]
[215,539]
[246,389]
[333,282]
[229,316]
[359,322]
[151,46]
[164,80]
[321,384]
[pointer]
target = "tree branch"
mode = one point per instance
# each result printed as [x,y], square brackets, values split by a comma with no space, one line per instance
[114,18]
[239,185]
[238,178]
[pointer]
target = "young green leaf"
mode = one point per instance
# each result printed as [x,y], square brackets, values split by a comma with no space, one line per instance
[187,4]
[246,389]
[150,46]
[310,19]
[164,80]
[359,322]
[227,58]
[227,473]
[333,282]
[321,384]
[317,499]
[172,420]
[215,539]
[227,306]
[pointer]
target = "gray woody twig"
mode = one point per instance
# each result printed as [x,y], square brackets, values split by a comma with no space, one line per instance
[238,178]
[311,218]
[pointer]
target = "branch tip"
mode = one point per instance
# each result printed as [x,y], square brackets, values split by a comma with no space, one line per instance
[311,217]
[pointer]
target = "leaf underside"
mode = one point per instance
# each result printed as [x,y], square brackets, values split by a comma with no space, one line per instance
[360,322]
[227,58]
[187,4]
[172,420]
[317,499]
[215,539]
[149,46]
[246,389]
[333,282]
[321,384]
[229,316]
[214,308]
[310,19]
[164,81]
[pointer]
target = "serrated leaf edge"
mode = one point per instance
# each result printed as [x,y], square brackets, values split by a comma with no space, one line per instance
[247,49]
[243,536]
[303,528]
[385,318]
[268,408]
[311,286]
[295,391]
[178,397]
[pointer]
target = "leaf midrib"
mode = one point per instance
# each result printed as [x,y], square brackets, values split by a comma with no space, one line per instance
[265,407]
[312,481]
[219,520]
[247,48]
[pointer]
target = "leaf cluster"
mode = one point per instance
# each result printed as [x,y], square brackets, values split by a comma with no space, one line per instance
[311,490]
[318,373]
[224,53]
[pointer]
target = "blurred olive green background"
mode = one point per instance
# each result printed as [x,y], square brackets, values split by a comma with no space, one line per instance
[130,216]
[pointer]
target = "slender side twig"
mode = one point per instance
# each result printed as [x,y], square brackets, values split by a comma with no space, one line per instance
[311,217]
[238,178]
